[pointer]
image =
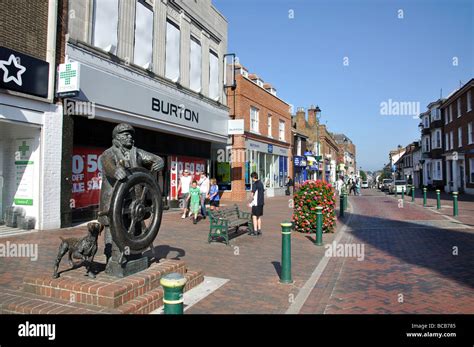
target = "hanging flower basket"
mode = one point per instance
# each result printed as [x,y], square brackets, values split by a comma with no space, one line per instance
[310,195]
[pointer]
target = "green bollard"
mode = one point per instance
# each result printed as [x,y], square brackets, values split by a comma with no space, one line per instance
[341,206]
[438,199]
[455,204]
[345,201]
[319,226]
[286,253]
[412,193]
[424,196]
[403,192]
[173,285]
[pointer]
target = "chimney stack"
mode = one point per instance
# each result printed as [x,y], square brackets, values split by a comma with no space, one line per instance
[312,116]
[300,118]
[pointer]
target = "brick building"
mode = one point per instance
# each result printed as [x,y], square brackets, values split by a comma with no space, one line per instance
[299,147]
[329,152]
[322,149]
[30,120]
[265,146]
[346,161]
[458,151]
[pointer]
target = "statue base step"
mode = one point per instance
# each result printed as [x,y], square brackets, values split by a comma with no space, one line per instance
[139,293]
[130,267]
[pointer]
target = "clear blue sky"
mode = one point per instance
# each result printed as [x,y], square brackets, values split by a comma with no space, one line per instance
[404,60]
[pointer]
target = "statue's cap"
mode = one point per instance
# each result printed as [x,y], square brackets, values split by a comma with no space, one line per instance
[122,128]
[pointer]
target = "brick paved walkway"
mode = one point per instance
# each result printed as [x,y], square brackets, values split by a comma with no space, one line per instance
[465,205]
[251,264]
[409,266]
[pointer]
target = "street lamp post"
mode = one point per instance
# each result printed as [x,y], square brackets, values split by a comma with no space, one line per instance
[317,111]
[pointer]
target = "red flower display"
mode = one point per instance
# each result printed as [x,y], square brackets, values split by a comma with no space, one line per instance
[310,195]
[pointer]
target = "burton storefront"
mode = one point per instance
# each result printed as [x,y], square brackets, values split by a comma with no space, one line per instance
[179,127]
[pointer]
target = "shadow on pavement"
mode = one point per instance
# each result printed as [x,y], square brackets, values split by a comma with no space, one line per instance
[427,246]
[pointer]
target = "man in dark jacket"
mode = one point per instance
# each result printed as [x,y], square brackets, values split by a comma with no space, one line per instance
[123,154]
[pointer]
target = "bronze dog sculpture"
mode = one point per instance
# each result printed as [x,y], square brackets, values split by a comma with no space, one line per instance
[84,249]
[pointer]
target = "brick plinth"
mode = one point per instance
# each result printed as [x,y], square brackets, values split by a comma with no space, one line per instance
[138,294]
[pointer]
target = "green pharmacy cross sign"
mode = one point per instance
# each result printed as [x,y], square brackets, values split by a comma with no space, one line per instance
[68,74]
[23,148]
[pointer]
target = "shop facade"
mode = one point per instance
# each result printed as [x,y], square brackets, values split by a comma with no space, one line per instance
[157,65]
[30,121]
[180,128]
[270,162]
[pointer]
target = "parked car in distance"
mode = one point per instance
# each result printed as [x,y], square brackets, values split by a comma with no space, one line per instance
[398,186]
[386,184]
[364,184]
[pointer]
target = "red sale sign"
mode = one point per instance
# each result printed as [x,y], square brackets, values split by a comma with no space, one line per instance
[178,165]
[86,177]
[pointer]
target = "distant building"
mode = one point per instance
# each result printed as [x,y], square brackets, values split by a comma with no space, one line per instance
[347,163]
[458,151]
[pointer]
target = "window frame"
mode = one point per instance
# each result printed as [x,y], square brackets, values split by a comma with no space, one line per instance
[194,40]
[150,8]
[254,121]
[281,131]
[172,23]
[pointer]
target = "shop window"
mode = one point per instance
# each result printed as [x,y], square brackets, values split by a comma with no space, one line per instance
[172,57]
[195,65]
[213,76]
[105,25]
[143,48]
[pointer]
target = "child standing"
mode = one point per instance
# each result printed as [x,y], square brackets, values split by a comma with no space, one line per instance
[194,195]
[214,195]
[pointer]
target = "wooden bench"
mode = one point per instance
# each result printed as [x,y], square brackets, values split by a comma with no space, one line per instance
[227,219]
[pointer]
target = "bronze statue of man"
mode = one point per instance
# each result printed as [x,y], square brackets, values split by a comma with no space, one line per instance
[123,154]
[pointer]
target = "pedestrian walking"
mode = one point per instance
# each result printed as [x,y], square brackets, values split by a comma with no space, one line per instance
[289,186]
[183,186]
[213,195]
[256,204]
[194,196]
[204,191]
[339,185]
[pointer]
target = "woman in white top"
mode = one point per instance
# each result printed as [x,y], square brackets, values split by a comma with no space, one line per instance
[184,184]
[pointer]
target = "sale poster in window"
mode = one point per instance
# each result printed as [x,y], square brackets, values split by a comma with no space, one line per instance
[86,177]
[180,163]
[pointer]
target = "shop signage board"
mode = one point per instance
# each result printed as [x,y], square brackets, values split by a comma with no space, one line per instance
[299,161]
[24,172]
[68,79]
[150,99]
[23,73]
[266,148]
[235,127]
